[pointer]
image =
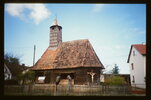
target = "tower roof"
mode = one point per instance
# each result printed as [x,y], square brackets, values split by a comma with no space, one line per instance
[55,22]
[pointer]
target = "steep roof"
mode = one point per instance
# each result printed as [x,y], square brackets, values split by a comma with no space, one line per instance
[141,48]
[71,54]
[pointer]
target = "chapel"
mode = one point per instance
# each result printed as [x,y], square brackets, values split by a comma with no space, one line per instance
[76,59]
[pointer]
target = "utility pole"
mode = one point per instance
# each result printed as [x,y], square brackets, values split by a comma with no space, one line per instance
[34,55]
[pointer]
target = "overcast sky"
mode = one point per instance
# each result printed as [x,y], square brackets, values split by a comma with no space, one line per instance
[111,29]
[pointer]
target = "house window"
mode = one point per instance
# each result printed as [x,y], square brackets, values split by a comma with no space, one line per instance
[132,66]
[133,79]
[134,53]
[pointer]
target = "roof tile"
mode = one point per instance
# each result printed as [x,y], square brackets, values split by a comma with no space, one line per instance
[141,48]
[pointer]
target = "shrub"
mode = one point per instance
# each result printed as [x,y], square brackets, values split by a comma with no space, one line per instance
[27,77]
[115,80]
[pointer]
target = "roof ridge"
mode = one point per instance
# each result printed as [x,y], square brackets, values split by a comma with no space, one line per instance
[138,44]
[76,40]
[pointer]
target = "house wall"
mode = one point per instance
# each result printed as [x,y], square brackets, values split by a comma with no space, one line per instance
[139,71]
[7,73]
[102,78]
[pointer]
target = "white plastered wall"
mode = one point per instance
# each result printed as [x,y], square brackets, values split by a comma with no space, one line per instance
[139,71]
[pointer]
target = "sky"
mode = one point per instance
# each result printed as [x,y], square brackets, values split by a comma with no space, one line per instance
[110,28]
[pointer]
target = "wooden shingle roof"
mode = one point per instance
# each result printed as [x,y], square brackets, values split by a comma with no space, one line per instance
[71,54]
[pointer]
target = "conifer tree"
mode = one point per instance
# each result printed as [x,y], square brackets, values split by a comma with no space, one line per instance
[115,70]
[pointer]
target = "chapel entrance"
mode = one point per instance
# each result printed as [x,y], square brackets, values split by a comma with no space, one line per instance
[64,79]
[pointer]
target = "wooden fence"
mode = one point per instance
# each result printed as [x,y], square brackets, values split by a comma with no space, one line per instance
[76,90]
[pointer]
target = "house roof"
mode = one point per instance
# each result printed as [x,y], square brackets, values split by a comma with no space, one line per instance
[71,54]
[15,69]
[141,48]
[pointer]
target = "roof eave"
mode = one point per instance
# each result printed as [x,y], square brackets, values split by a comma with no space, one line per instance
[129,54]
[37,69]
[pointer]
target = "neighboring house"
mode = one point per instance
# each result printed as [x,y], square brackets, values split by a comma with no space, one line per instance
[15,69]
[76,59]
[7,73]
[137,62]
[104,77]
